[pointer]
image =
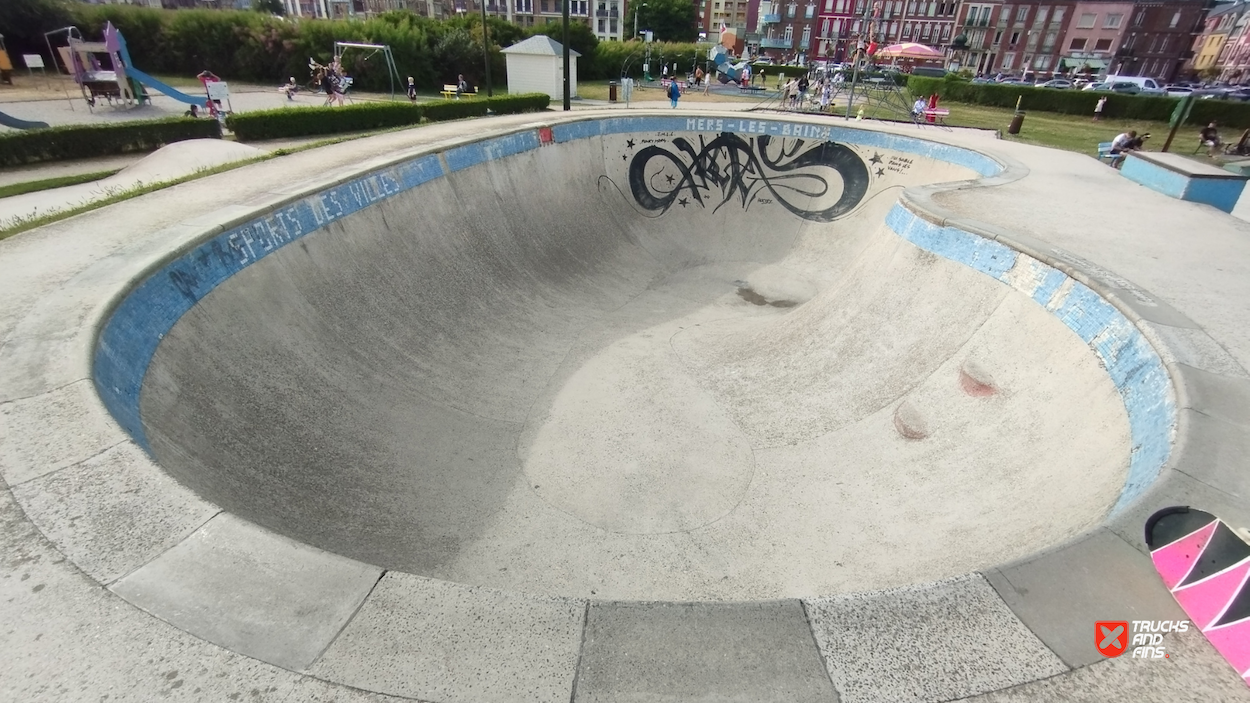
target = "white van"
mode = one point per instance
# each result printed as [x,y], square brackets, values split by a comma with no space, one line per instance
[1149,86]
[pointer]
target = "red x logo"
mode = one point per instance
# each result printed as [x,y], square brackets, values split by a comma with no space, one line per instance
[1111,637]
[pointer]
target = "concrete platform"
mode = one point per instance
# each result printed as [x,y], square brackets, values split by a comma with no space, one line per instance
[1179,177]
[491,414]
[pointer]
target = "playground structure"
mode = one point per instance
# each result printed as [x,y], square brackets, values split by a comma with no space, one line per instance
[340,50]
[104,70]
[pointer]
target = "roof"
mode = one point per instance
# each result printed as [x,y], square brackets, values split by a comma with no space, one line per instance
[539,45]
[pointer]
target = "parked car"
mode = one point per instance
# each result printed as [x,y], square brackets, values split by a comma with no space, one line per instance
[1060,83]
[1177,91]
[1121,87]
[1147,86]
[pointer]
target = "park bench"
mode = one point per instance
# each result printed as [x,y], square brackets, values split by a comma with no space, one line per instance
[449,91]
[751,88]
[937,114]
[1104,151]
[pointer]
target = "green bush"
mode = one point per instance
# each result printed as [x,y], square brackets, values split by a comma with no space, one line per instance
[1079,102]
[85,141]
[301,122]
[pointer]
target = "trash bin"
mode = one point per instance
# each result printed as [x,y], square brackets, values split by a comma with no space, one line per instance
[612,91]
[1016,120]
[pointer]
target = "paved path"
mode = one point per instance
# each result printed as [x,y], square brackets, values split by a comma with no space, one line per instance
[1013,632]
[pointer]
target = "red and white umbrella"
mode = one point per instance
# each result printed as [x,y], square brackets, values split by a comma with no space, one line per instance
[909,50]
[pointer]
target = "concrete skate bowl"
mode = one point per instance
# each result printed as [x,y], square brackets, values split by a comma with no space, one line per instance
[649,358]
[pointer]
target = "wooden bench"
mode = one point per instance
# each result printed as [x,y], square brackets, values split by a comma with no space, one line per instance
[937,114]
[449,91]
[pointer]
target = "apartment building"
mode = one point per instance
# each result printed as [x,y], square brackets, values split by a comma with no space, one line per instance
[786,32]
[1234,61]
[976,45]
[1209,44]
[1094,35]
[1160,38]
[842,24]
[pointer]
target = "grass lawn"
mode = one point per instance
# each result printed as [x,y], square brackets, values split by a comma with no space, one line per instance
[47,183]
[1069,132]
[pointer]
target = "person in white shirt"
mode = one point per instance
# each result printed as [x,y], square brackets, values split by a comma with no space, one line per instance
[1122,144]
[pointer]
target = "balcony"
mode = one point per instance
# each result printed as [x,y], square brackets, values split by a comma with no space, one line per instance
[774,18]
[771,43]
[977,23]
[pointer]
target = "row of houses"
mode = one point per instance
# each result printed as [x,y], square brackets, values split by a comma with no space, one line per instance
[1163,39]
[1037,38]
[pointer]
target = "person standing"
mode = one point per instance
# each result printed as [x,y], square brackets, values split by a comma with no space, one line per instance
[674,92]
[412,89]
[1098,108]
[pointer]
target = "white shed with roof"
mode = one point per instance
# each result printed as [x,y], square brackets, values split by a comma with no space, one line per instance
[536,65]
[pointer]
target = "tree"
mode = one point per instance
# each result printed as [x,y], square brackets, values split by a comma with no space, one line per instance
[582,38]
[23,22]
[670,20]
[271,7]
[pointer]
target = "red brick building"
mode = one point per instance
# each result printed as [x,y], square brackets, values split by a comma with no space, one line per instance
[1160,38]
[843,23]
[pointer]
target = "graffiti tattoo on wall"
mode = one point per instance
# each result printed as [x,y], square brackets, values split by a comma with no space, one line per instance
[802,176]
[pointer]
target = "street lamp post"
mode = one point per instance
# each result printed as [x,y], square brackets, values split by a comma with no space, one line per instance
[636,9]
[486,49]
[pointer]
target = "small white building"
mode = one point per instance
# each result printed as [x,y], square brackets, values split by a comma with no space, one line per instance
[536,65]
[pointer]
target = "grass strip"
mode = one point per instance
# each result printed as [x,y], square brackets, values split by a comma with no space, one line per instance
[49,183]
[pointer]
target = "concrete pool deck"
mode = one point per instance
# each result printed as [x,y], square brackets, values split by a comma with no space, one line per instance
[1013,632]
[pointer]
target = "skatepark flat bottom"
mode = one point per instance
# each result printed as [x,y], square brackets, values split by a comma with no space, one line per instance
[644,364]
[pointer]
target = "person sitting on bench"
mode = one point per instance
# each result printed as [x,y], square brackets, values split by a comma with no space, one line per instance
[1210,138]
[1121,145]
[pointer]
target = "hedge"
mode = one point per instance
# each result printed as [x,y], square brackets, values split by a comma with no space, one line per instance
[85,141]
[1080,102]
[306,121]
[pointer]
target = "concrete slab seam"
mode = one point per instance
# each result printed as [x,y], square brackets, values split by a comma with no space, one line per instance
[347,622]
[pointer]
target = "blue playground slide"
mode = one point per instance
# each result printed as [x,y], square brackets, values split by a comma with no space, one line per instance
[11,121]
[164,89]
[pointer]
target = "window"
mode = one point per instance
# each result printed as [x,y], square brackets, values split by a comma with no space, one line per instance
[810,12]
[1058,16]
[1049,42]
[1102,45]
[1015,37]
[790,10]
[603,26]
[824,28]
[788,37]
[841,7]
[1005,16]
[855,28]
[1022,14]
[932,9]
[1176,18]
[1086,21]
[1040,17]
[837,27]
[1166,38]
[828,5]
[998,36]
[1077,45]
[807,35]
[946,31]
[1009,58]
[1112,21]
[1154,43]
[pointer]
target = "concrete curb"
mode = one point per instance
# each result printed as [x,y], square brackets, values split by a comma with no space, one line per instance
[1026,608]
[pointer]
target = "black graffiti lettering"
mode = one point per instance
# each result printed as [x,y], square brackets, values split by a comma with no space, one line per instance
[730,168]
[185,282]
